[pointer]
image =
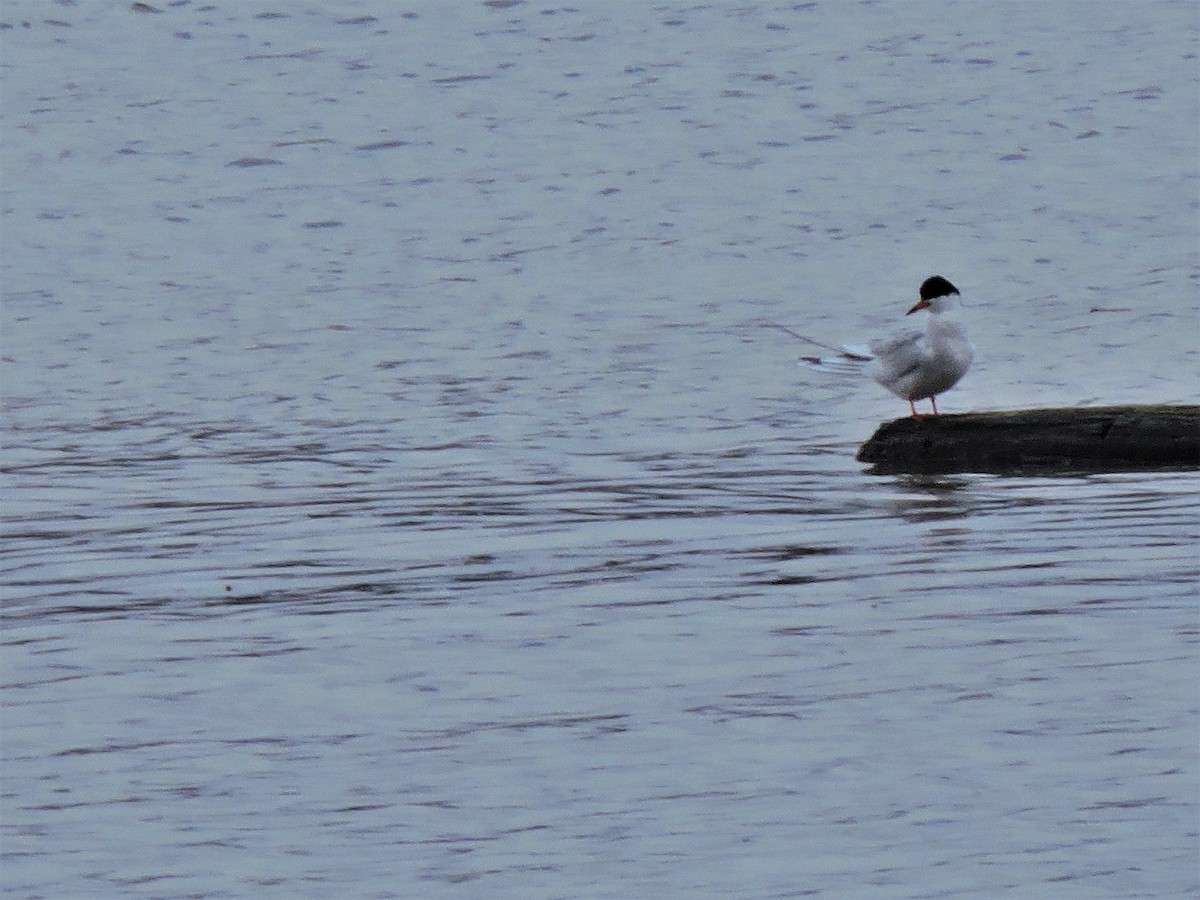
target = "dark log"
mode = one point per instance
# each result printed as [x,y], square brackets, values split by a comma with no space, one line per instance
[1072,439]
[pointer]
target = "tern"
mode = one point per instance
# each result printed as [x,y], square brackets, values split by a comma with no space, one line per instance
[914,364]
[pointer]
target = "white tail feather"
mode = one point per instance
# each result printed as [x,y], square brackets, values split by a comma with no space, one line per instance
[836,366]
[843,360]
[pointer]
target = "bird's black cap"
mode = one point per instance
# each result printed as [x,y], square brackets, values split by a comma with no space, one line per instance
[937,286]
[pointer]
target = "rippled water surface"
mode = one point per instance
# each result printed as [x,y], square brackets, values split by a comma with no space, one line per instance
[404,498]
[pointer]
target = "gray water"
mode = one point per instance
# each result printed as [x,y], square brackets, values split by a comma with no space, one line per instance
[404,498]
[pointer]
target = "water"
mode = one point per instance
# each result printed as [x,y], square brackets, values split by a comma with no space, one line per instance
[402,496]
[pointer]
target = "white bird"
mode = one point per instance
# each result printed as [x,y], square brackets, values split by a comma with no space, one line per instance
[913,365]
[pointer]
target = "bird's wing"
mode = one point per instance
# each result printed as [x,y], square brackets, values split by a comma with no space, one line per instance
[900,354]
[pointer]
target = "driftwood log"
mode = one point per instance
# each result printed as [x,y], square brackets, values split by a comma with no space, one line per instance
[1072,439]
